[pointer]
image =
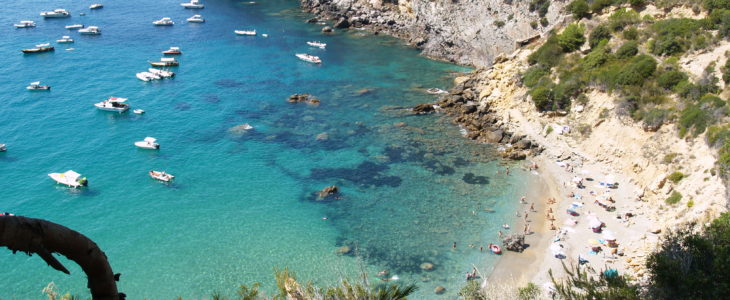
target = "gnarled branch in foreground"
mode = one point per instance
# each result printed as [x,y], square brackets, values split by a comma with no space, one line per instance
[43,238]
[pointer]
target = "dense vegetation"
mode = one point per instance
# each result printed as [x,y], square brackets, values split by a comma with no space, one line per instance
[636,59]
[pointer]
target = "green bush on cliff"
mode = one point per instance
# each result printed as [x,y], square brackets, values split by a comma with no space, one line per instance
[579,9]
[541,6]
[675,36]
[674,198]
[692,265]
[584,283]
[693,119]
[726,72]
[622,18]
[628,50]
[597,57]
[548,55]
[543,98]
[717,4]
[572,38]
[670,79]
[638,70]
[676,177]
[599,34]
[631,33]
[534,75]
[598,5]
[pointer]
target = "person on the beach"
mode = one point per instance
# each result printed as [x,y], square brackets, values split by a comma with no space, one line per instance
[550,209]
[527,227]
[507,171]
[523,200]
[525,216]
[532,206]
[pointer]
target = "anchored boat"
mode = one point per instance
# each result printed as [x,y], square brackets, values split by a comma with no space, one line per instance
[194,4]
[56,13]
[245,32]
[36,86]
[161,176]
[25,24]
[148,143]
[39,48]
[165,62]
[114,104]
[91,30]
[69,178]
[309,58]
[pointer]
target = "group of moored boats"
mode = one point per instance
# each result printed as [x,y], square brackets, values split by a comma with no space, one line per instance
[312,58]
[73,179]
[157,74]
[59,13]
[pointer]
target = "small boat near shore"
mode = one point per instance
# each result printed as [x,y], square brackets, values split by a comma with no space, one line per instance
[196,19]
[172,51]
[165,62]
[39,49]
[56,13]
[36,86]
[245,32]
[145,76]
[161,176]
[114,104]
[148,143]
[317,44]
[74,26]
[193,4]
[309,58]
[91,30]
[495,249]
[164,22]
[65,40]
[138,111]
[25,24]
[96,6]
[69,178]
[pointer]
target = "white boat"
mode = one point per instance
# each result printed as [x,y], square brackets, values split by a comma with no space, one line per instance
[70,49]
[91,30]
[65,40]
[436,91]
[74,26]
[56,13]
[245,32]
[96,6]
[161,176]
[148,143]
[264,35]
[162,73]
[193,4]
[196,19]
[3,148]
[309,58]
[144,76]
[113,104]
[36,86]
[45,47]
[165,62]
[69,178]
[317,44]
[138,111]
[164,22]
[25,24]
[172,51]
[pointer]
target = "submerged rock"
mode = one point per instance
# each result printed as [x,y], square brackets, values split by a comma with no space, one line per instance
[307,98]
[240,129]
[344,250]
[423,109]
[439,290]
[327,29]
[427,266]
[328,191]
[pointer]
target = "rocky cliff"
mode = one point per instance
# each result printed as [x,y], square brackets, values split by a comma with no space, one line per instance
[467,32]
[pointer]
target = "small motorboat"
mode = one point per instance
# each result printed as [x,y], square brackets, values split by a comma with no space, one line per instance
[172,51]
[138,111]
[317,44]
[164,22]
[3,148]
[145,76]
[162,73]
[505,226]
[25,24]
[436,91]
[69,178]
[495,249]
[148,143]
[161,176]
[96,6]
[193,4]
[165,62]
[74,26]
[265,35]
[70,49]
[65,40]
[114,104]
[56,13]
[39,48]
[309,58]
[245,32]
[36,86]
[196,19]
[91,30]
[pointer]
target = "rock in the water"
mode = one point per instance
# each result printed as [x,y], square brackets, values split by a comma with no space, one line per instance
[423,109]
[493,136]
[439,290]
[323,136]
[342,23]
[427,266]
[297,98]
[328,191]
[400,124]
[514,242]
[327,29]
[240,129]
[344,250]
[313,20]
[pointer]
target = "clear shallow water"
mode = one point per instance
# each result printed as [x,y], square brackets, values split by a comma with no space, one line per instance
[241,204]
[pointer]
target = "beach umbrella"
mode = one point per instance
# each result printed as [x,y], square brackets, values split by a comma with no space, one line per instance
[608,235]
[577,179]
[594,222]
[610,179]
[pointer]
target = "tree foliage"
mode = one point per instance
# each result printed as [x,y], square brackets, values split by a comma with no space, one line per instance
[572,38]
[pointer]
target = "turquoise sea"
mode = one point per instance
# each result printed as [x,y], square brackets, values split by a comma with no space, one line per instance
[241,204]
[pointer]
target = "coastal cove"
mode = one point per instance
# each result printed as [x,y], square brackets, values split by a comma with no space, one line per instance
[243,203]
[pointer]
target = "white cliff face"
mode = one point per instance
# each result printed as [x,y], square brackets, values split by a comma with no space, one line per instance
[468,32]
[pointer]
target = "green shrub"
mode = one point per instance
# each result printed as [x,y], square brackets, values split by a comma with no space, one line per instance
[717,4]
[543,98]
[596,58]
[637,3]
[670,79]
[544,22]
[598,5]
[499,23]
[631,33]
[599,34]
[628,50]
[472,291]
[669,158]
[548,55]
[622,18]
[638,70]
[541,6]
[674,36]
[529,292]
[711,101]
[674,198]
[655,117]
[534,75]
[726,72]
[533,24]
[691,265]
[718,135]
[676,177]
[694,119]
[572,38]
[579,9]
